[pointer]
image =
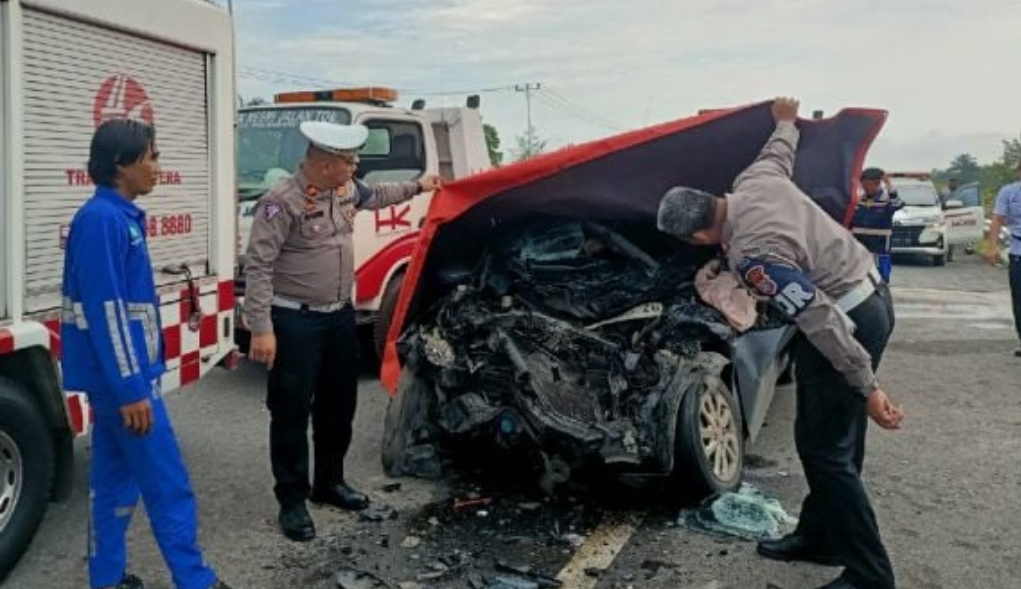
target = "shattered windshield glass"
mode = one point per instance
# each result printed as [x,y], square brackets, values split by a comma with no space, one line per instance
[270,145]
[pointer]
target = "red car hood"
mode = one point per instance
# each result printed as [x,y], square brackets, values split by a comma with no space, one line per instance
[622,178]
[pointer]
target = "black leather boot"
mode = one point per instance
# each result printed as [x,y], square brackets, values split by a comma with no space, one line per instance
[342,496]
[795,547]
[296,523]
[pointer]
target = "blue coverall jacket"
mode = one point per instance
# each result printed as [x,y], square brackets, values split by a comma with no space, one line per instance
[110,322]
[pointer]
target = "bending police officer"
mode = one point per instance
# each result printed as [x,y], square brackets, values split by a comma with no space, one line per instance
[299,283]
[788,251]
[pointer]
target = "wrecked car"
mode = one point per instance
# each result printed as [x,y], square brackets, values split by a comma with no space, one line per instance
[543,312]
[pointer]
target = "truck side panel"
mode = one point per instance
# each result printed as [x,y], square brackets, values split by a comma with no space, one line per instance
[75,77]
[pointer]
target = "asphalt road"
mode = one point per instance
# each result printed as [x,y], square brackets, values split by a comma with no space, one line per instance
[944,488]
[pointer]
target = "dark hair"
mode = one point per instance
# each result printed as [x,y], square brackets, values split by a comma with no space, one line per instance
[118,142]
[872,174]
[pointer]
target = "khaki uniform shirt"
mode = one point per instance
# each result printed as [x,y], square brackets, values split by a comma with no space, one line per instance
[785,248]
[301,245]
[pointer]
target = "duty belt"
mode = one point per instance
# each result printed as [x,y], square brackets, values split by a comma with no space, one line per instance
[279,301]
[858,294]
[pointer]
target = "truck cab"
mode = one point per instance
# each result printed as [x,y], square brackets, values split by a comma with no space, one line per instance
[403,144]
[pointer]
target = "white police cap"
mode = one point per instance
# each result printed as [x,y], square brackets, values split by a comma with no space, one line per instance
[334,138]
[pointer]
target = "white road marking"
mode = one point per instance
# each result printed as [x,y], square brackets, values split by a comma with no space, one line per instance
[599,550]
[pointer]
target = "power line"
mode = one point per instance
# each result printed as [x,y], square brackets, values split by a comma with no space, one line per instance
[582,111]
[559,108]
[278,77]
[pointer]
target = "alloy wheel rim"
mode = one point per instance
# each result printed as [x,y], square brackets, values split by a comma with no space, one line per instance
[718,435]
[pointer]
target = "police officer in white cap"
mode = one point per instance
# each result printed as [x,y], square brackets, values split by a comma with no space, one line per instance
[299,282]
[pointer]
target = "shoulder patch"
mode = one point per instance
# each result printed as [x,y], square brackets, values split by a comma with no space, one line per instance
[785,287]
[271,209]
[363,192]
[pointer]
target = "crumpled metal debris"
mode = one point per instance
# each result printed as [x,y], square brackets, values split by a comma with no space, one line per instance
[748,514]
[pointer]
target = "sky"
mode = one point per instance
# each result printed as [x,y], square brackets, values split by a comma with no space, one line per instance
[947,71]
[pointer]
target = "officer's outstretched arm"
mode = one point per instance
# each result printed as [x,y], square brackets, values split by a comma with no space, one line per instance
[816,315]
[384,194]
[101,243]
[776,160]
[270,228]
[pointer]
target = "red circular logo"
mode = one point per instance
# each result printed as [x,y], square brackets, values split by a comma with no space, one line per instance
[121,97]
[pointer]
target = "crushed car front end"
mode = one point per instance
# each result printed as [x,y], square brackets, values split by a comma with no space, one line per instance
[572,329]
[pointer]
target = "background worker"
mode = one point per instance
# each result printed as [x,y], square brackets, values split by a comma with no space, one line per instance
[873,219]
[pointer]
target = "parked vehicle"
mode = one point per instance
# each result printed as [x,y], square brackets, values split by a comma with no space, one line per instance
[66,66]
[929,227]
[965,218]
[544,313]
[403,144]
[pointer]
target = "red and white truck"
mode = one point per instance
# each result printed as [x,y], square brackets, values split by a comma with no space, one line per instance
[66,66]
[403,144]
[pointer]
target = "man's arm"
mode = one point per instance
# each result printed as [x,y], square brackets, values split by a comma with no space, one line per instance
[385,194]
[270,228]
[777,156]
[101,244]
[817,316]
[995,226]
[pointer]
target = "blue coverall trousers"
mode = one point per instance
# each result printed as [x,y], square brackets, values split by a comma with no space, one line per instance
[125,466]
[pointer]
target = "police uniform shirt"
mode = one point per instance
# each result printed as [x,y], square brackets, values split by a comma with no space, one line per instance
[301,246]
[1008,205]
[786,249]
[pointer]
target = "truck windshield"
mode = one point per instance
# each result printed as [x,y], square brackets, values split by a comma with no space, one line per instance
[270,146]
[918,195]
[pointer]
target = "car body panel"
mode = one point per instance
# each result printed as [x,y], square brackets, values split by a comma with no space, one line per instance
[622,178]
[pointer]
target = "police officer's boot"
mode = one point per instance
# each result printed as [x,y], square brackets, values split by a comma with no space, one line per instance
[296,523]
[341,495]
[795,547]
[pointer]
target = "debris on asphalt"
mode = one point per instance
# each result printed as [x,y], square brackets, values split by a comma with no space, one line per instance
[473,502]
[747,514]
[377,513]
[391,487]
[349,578]
[411,542]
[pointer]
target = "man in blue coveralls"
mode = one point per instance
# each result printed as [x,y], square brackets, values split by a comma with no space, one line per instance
[113,350]
[873,220]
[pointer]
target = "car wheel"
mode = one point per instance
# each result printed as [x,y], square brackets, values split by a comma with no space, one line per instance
[27,458]
[386,313]
[709,447]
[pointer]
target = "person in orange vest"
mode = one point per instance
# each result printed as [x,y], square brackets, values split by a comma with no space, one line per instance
[873,220]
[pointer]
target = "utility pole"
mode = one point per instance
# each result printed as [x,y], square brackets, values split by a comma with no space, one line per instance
[527,89]
[529,132]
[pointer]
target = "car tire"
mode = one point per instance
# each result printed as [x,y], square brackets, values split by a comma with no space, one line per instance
[713,464]
[406,429]
[27,463]
[381,328]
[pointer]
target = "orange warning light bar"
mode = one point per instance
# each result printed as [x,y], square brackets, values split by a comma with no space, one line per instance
[370,94]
